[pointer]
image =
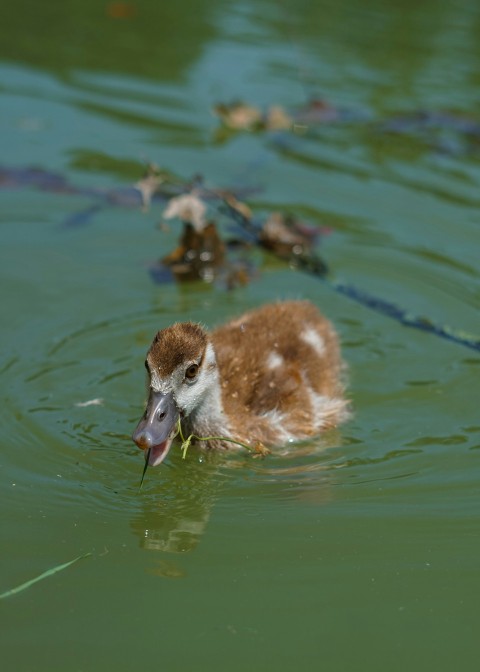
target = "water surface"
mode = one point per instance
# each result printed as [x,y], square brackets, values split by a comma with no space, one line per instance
[361,554]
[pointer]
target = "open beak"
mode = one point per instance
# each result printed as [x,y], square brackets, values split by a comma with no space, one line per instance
[158,427]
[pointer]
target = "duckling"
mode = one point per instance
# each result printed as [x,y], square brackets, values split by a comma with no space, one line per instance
[268,377]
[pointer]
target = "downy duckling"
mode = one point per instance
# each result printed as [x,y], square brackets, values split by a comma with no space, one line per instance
[269,377]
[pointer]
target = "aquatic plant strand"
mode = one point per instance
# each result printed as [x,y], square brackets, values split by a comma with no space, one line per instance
[187,441]
[186,445]
[45,575]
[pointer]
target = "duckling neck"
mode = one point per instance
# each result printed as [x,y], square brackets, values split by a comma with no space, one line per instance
[208,417]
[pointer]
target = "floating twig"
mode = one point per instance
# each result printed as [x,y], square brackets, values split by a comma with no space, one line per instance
[404,317]
[311,263]
[145,467]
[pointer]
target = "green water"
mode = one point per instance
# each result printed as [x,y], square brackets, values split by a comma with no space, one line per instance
[362,557]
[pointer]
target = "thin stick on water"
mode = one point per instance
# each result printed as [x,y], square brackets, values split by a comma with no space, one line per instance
[145,467]
[45,575]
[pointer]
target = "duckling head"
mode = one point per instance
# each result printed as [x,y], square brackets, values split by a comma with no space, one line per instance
[182,371]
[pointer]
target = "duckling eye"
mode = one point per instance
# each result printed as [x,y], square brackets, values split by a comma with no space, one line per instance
[191,372]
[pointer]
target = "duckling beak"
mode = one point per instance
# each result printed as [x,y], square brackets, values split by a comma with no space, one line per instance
[157,429]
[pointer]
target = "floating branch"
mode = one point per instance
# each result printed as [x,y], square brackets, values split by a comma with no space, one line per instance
[311,263]
[404,317]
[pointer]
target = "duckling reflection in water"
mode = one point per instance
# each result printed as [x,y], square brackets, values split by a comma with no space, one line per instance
[201,255]
[271,376]
[174,514]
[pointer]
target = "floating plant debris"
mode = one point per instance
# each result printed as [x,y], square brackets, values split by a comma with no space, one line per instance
[40,577]
[257,450]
